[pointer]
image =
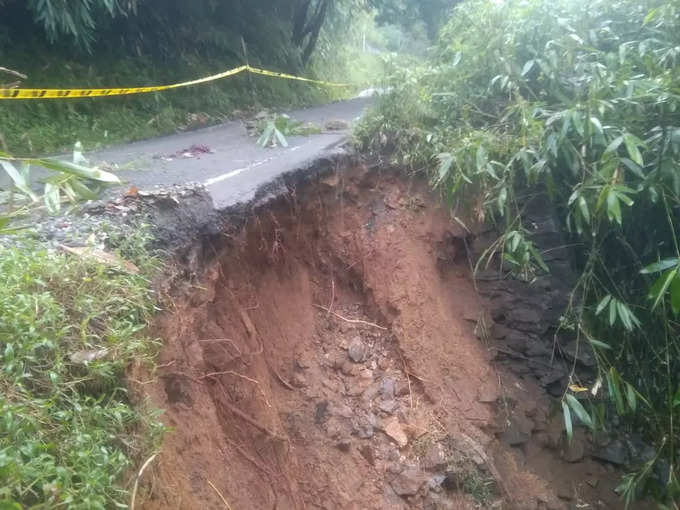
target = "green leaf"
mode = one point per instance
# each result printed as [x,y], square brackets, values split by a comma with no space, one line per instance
[580,411]
[662,265]
[615,391]
[567,420]
[445,163]
[614,145]
[658,290]
[282,139]
[19,180]
[630,397]
[602,304]
[482,158]
[78,170]
[675,295]
[632,143]
[612,312]
[613,207]
[624,314]
[600,344]
[583,206]
[633,167]
[537,258]
[597,125]
[527,67]
[52,198]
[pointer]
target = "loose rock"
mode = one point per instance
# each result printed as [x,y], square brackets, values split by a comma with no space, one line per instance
[393,429]
[357,350]
[408,482]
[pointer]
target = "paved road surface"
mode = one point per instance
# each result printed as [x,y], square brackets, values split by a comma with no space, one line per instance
[237,167]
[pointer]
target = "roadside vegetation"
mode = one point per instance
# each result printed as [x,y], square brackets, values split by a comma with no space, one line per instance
[115,43]
[578,101]
[71,325]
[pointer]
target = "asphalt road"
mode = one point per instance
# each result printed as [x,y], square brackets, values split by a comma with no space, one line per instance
[236,166]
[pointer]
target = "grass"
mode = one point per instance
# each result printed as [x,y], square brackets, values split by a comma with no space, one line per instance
[51,126]
[68,429]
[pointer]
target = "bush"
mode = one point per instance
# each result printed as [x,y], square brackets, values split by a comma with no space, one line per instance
[68,330]
[577,100]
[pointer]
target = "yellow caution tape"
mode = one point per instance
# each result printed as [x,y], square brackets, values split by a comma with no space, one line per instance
[75,93]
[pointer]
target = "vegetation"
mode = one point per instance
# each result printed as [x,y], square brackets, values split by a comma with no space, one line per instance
[111,43]
[70,327]
[577,100]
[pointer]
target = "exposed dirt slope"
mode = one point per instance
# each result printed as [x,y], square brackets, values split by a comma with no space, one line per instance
[333,357]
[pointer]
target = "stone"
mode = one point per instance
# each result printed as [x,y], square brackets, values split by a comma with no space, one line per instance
[393,429]
[387,388]
[298,380]
[401,389]
[337,125]
[344,445]
[574,450]
[614,453]
[488,393]
[435,458]
[408,482]
[367,453]
[357,350]
[349,369]
[321,412]
[342,410]
[387,406]
[518,431]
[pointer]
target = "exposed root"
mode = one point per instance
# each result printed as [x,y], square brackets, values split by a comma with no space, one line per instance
[226,503]
[351,321]
[139,477]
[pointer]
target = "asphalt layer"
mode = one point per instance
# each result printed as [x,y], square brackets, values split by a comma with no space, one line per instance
[235,166]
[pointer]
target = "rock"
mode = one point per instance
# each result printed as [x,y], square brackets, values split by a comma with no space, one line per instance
[342,410]
[356,387]
[357,350]
[321,413]
[435,458]
[614,453]
[574,451]
[408,482]
[299,380]
[344,445]
[393,429]
[401,389]
[388,388]
[435,482]
[364,426]
[371,392]
[387,406]
[337,125]
[349,369]
[564,492]
[518,431]
[488,393]
[395,468]
[367,453]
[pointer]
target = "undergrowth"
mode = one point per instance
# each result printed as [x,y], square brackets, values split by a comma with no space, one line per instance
[69,328]
[576,101]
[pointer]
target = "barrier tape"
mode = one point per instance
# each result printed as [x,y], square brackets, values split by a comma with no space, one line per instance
[77,93]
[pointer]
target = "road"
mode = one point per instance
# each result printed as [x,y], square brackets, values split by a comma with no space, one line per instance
[236,166]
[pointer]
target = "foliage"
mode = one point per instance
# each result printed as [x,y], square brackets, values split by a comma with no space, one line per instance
[69,329]
[274,130]
[576,100]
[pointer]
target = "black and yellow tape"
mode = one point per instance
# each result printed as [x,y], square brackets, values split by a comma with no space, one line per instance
[79,93]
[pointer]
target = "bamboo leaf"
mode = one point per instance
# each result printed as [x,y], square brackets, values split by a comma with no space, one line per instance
[567,421]
[658,290]
[632,148]
[579,410]
[583,206]
[602,304]
[662,265]
[675,295]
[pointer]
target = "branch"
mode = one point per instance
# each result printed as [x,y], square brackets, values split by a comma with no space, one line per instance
[13,73]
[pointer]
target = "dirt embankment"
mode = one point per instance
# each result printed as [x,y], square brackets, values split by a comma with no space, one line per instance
[335,356]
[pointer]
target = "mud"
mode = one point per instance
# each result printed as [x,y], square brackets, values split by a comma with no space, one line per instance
[334,354]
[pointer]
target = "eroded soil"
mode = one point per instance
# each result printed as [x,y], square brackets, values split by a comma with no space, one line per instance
[332,357]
